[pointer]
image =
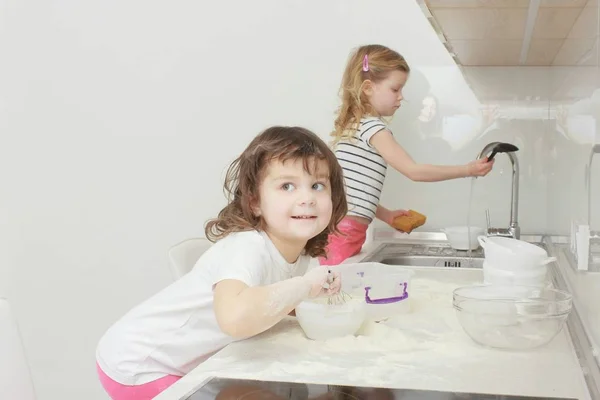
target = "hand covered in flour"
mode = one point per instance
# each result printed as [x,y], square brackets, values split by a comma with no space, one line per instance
[323,281]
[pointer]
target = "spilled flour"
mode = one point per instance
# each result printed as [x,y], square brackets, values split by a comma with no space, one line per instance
[423,349]
[412,342]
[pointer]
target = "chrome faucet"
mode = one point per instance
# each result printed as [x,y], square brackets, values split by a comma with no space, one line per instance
[513,229]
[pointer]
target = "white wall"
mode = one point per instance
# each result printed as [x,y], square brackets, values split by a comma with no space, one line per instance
[118,119]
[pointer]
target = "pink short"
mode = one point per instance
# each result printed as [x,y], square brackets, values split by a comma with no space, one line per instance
[346,245]
[146,391]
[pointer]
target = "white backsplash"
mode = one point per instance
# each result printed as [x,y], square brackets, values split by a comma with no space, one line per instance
[550,113]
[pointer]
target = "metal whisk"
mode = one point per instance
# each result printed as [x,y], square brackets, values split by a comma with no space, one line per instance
[340,297]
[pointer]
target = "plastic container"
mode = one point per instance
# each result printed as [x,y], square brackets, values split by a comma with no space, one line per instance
[493,275]
[458,236]
[511,317]
[321,321]
[513,254]
[384,288]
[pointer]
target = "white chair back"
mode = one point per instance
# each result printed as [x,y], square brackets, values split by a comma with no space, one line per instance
[183,256]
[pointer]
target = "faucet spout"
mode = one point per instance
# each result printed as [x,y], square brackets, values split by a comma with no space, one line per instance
[497,147]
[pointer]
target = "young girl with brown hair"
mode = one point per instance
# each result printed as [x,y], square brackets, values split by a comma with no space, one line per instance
[286,195]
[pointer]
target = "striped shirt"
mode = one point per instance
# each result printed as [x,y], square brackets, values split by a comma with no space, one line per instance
[364,169]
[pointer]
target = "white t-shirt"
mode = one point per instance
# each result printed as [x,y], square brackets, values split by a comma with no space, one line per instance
[176,329]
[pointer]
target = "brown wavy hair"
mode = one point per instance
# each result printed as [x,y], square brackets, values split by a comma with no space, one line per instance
[382,60]
[245,175]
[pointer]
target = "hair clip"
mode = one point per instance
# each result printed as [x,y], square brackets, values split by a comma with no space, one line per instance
[366,63]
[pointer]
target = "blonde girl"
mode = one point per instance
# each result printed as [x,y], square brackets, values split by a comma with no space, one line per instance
[364,146]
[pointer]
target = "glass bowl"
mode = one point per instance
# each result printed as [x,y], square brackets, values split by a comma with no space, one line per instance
[511,317]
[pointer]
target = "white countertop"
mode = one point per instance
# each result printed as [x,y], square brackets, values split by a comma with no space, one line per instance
[586,287]
[422,350]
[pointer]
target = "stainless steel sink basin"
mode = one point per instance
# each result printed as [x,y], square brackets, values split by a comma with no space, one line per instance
[435,254]
[429,261]
[427,254]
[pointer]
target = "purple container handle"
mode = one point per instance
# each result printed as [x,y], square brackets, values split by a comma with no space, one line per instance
[388,300]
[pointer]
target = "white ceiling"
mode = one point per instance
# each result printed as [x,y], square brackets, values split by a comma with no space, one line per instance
[517,32]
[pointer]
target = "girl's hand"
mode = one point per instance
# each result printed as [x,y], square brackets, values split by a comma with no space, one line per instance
[323,281]
[479,167]
[393,214]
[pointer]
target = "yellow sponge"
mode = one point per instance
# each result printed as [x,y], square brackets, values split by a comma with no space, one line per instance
[406,223]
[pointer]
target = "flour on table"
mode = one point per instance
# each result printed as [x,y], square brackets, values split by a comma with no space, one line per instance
[406,343]
[424,349]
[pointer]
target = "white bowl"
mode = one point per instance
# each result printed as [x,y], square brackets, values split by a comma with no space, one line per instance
[513,254]
[498,275]
[458,236]
[321,321]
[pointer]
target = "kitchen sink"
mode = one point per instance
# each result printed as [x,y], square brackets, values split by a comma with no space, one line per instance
[429,261]
[427,254]
[434,254]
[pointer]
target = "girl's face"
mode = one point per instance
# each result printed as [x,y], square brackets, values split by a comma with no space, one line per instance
[294,204]
[385,96]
